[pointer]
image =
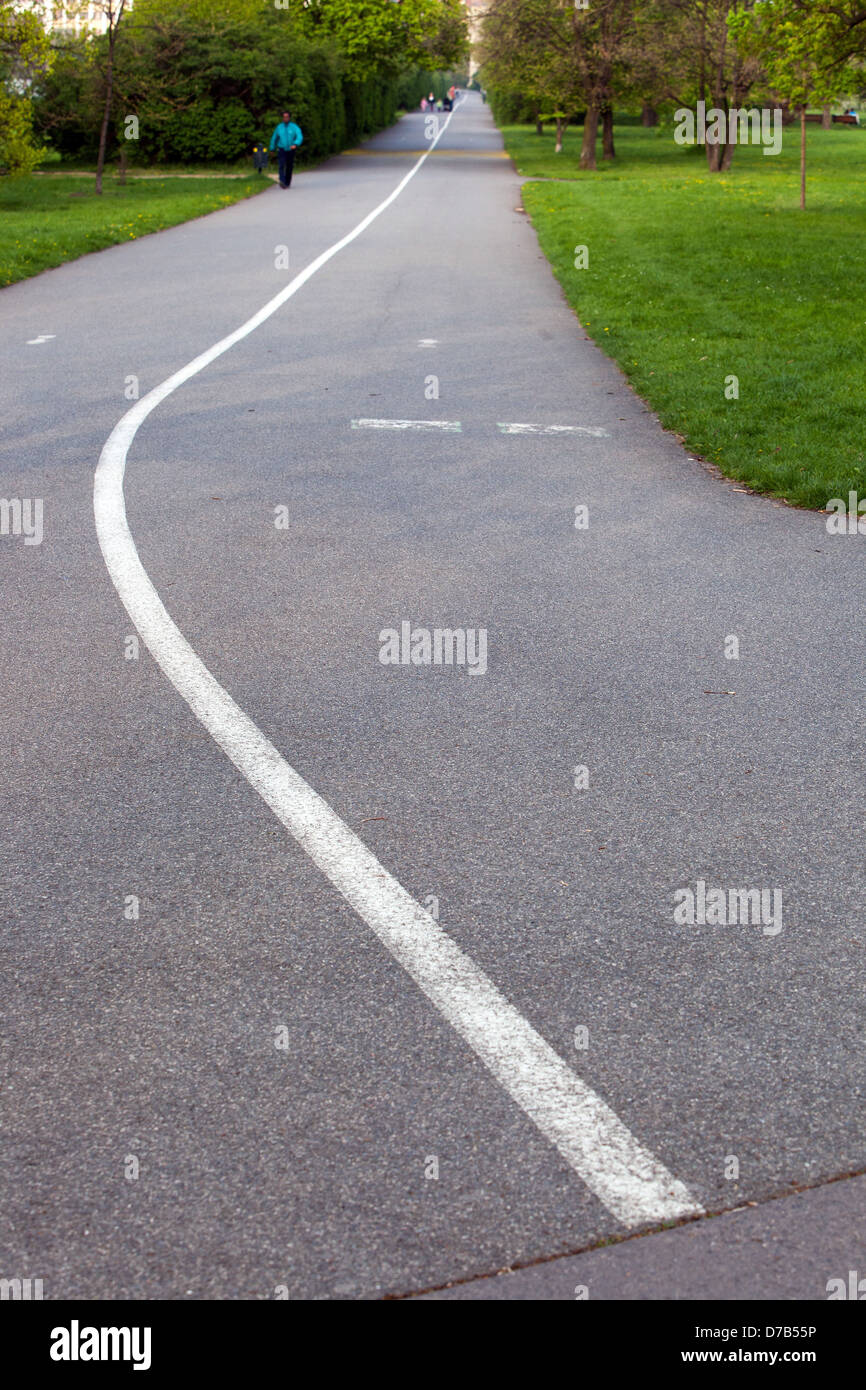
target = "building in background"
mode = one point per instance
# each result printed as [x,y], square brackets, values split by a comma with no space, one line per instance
[72,17]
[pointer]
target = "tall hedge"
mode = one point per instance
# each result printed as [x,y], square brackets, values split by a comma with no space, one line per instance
[208,93]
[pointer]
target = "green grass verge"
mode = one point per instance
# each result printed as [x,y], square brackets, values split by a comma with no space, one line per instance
[45,221]
[695,277]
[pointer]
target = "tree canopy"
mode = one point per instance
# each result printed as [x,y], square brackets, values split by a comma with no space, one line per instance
[24,54]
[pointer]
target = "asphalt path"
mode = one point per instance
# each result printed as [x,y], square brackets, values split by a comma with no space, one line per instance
[308,1166]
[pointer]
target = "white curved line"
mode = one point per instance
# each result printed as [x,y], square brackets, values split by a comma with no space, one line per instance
[631,1183]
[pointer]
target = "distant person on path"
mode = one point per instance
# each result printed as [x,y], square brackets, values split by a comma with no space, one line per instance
[286,138]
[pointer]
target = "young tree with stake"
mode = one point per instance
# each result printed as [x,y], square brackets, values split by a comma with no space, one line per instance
[796,50]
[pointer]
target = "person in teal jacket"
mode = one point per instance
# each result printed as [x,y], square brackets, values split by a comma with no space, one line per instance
[286,139]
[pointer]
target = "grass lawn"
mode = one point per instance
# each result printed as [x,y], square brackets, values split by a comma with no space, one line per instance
[46,220]
[694,277]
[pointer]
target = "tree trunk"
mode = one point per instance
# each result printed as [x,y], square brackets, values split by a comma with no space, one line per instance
[702,90]
[539,126]
[826,117]
[649,116]
[803,157]
[590,135]
[727,153]
[607,146]
[106,115]
[714,157]
[561,123]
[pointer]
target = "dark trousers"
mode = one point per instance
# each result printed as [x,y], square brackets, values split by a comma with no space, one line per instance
[287,164]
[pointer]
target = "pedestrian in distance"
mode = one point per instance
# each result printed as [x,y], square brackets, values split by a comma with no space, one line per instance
[286,139]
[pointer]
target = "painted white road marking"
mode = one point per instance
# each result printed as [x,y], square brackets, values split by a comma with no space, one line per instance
[43,338]
[594,430]
[631,1183]
[449,426]
[428,342]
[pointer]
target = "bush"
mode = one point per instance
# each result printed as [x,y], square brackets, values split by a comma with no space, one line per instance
[209,93]
[18,153]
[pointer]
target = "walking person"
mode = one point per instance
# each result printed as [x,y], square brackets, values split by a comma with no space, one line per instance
[286,138]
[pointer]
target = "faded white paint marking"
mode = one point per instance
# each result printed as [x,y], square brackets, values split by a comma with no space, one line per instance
[594,431]
[449,426]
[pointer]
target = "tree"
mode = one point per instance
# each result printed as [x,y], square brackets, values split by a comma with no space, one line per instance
[843,32]
[696,55]
[385,36]
[113,12]
[563,53]
[647,57]
[24,53]
[517,57]
[448,45]
[798,50]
